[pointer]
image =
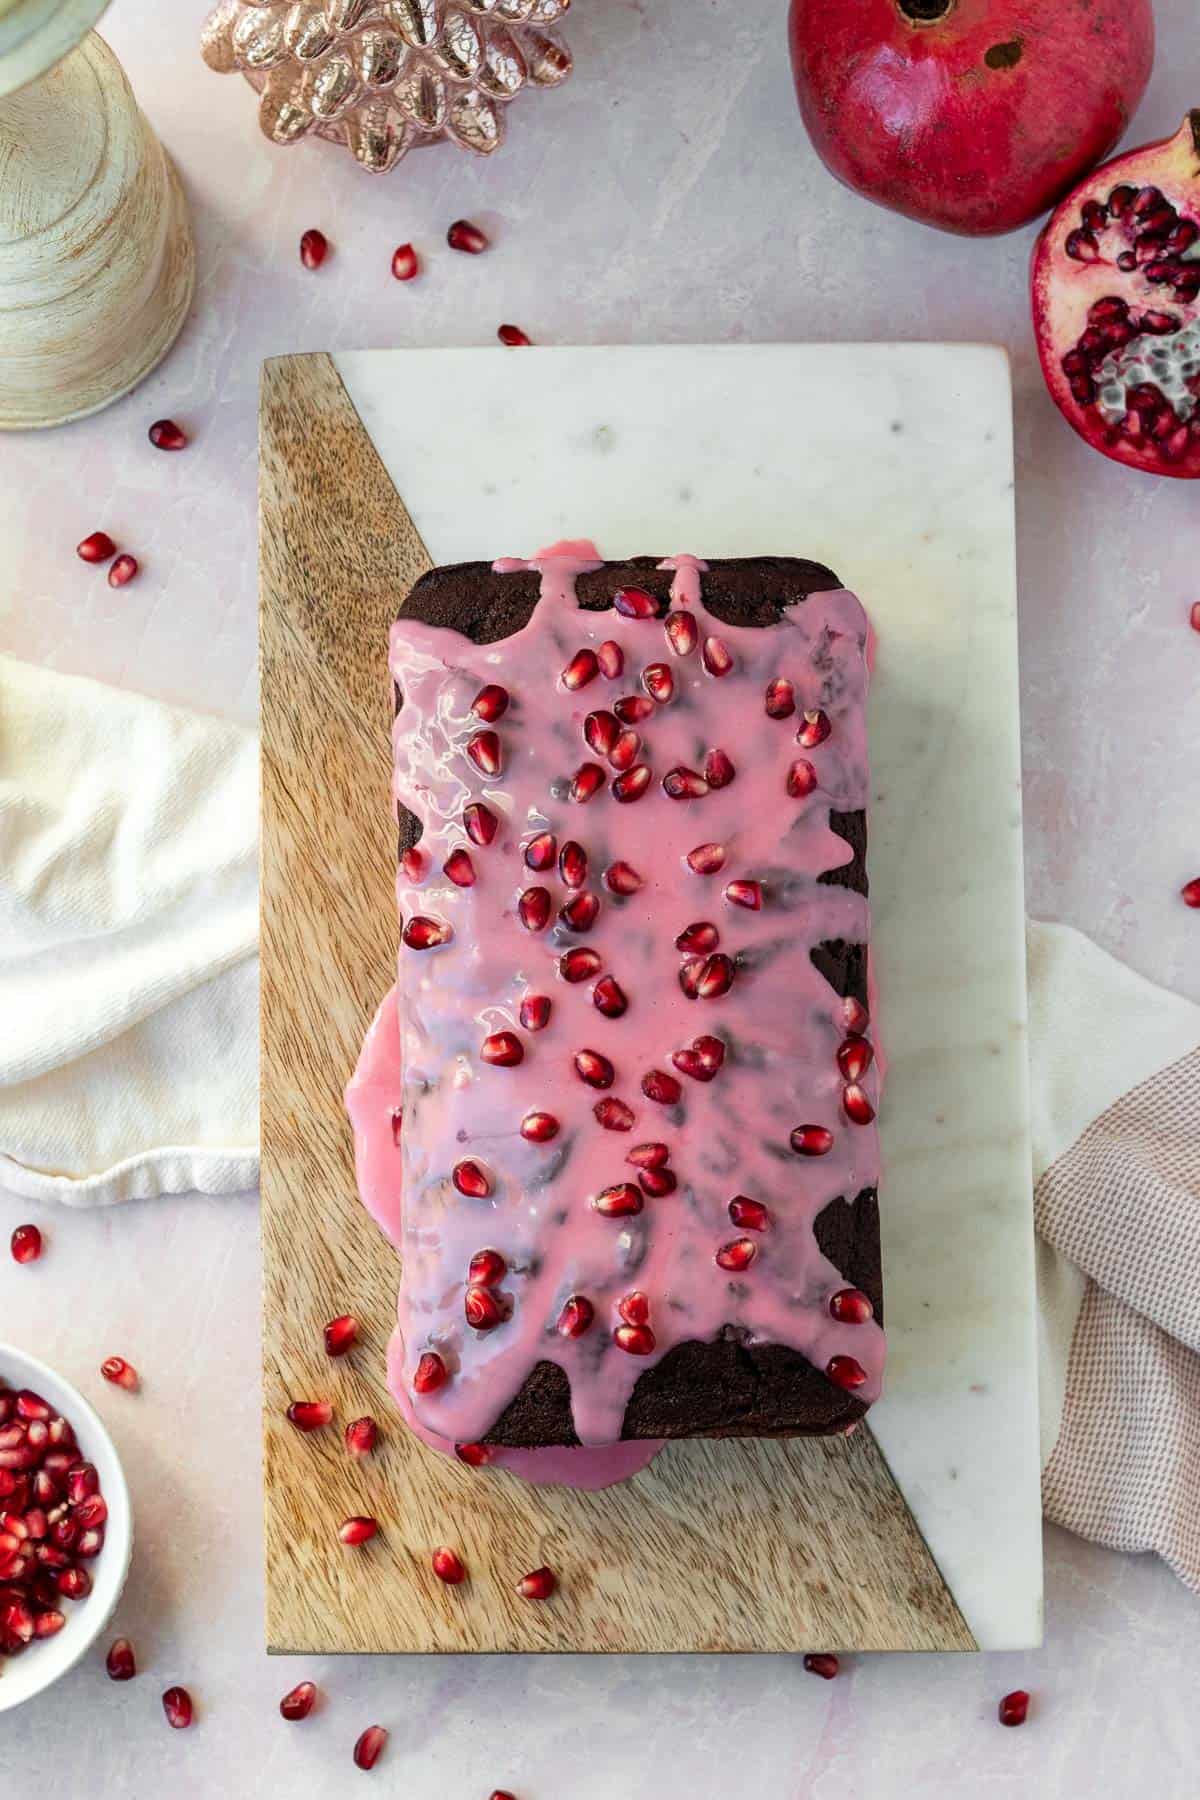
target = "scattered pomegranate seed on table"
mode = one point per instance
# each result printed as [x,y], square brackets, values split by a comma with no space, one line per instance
[362,1435]
[120,1662]
[822,1664]
[165,434]
[369,1746]
[539,1584]
[177,1704]
[466,237]
[341,1334]
[123,571]
[1194,615]
[357,1530]
[405,264]
[501,1794]
[448,1566]
[513,336]
[1191,892]
[314,248]
[299,1701]
[1013,1708]
[309,1415]
[97,547]
[26,1245]
[120,1372]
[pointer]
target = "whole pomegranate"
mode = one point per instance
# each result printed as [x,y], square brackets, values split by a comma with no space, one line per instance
[1116,306]
[971,115]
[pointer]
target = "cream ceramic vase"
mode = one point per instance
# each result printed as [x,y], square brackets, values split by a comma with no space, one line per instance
[96,259]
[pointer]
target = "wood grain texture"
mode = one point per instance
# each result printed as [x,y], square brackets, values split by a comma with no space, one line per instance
[724,1546]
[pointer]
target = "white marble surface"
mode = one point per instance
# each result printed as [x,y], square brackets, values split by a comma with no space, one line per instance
[665,194]
[717,465]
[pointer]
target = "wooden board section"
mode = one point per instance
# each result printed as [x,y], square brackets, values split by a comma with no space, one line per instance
[723,1546]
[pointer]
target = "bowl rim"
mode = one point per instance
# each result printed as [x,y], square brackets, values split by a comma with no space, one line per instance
[19,1679]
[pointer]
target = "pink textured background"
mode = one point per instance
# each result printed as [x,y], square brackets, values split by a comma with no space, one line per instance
[667,193]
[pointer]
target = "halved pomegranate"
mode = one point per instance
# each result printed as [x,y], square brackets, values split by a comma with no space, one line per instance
[1116,306]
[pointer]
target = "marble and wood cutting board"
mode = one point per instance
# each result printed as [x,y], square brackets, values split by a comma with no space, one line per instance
[893,464]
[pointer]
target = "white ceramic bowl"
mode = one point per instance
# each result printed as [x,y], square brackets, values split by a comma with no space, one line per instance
[21,1677]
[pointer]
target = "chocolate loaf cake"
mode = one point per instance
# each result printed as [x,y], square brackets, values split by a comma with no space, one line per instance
[639,1152]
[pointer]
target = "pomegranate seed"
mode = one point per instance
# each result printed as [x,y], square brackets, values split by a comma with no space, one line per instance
[681,631]
[608,997]
[484,751]
[465,236]
[822,1664]
[504,1050]
[634,1308]
[48,1624]
[97,547]
[73,1584]
[309,1415]
[854,1016]
[580,913]
[119,1372]
[459,869]
[120,1661]
[844,1372]
[26,1244]
[801,780]
[625,751]
[471,1180]
[689,976]
[405,263]
[698,938]
[815,729]
[706,859]
[601,731]
[122,571]
[587,780]
[535,1012]
[595,1069]
[632,784]
[684,784]
[662,1088]
[298,1703]
[539,1127]
[82,1482]
[811,1140]
[718,769]
[1014,1708]
[850,1306]
[513,337]
[582,668]
[32,1406]
[611,658]
[474,1455]
[448,1567]
[738,1255]
[539,1584]
[369,1747]
[490,703]
[480,822]
[357,1530]
[716,977]
[621,878]
[482,1309]
[314,248]
[635,603]
[573,864]
[90,1542]
[749,1214]
[1191,892]
[422,933]
[634,709]
[1194,615]
[341,1334]
[856,1105]
[579,965]
[618,1201]
[648,1156]
[716,657]
[635,1340]
[415,866]
[576,1317]
[701,1059]
[613,1115]
[430,1374]
[854,1058]
[533,908]
[780,699]
[165,434]
[659,682]
[658,1183]
[177,1704]
[362,1435]
[745,893]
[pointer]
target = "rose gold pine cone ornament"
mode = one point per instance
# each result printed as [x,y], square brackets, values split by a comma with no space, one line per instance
[385,76]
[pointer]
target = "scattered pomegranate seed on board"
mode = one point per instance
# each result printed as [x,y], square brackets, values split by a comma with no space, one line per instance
[309,1415]
[26,1244]
[823,1665]
[1014,1708]
[405,264]
[298,1703]
[448,1567]
[468,238]
[314,248]
[358,1529]
[120,1662]
[122,571]
[341,1334]
[539,1584]
[165,434]
[177,1704]
[1191,892]
[513,336]
[97,547]
[119,1372]
[362,1435]
[369,1746]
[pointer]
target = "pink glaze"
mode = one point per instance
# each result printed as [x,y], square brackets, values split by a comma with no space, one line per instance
[780,1021]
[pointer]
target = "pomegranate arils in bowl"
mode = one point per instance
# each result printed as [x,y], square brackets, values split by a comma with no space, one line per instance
[314,248]
[26,1244]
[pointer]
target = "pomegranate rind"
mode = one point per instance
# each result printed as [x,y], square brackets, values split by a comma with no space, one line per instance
[1064,290]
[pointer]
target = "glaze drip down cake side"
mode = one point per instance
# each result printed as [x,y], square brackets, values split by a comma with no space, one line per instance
[638,1144]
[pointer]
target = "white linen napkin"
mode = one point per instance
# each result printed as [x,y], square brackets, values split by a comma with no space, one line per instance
[128,944]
